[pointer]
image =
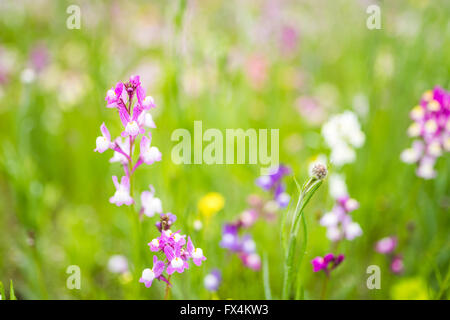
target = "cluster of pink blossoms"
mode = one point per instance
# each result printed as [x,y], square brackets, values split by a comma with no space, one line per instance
[339,223]
[133,107]
[431,128]
[176,250]
[387,247]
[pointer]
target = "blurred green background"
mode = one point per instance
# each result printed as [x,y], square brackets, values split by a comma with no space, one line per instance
[231,64]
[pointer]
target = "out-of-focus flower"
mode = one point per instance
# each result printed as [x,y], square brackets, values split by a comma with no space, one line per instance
[339,223]
[150,204]
[310,109]
[337,186]
[327,263]
[118,264]
[212,280]
[386,245]
[273,183]
[397,265]
[431,128]
[252,261]
[360,104]
[256,69]
[230,238]
[39,57]
[288,40]
[198,225]
[28,75]
[342,133]
[410,289]
[210,204]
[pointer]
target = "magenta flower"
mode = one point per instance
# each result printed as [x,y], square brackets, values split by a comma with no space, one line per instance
[148,275]
[195,253]
[397,265]
[176,262]
[327,263]
[386,245]
[122,194]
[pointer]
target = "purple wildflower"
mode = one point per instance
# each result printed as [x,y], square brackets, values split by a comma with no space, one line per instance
[212,280]
[230,238]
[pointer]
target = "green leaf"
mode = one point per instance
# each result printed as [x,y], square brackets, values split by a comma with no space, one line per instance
[2,291]
[12,296]
[266,278]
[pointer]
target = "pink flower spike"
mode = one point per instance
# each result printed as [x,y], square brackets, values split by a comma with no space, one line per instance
[103,142]
[149,154]
[122,194]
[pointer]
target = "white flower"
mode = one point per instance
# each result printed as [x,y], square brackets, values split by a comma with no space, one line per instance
[117,264]
[150,204]
[148,274]
[337,186]
[352,230]
[342,133]
[198,225]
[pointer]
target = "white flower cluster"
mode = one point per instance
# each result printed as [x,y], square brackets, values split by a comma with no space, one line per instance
[342,133]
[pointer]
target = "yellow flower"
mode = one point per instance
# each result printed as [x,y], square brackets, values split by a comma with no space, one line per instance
[410,289]
[210,204]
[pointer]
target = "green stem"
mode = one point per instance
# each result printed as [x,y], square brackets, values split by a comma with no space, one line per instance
[324,288]
[167,293]
[308,191]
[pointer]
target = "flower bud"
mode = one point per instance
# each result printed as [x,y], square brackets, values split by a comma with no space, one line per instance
[319,171]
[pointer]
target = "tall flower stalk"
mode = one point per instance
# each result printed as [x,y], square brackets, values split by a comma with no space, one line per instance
[308,189]
[133,107]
